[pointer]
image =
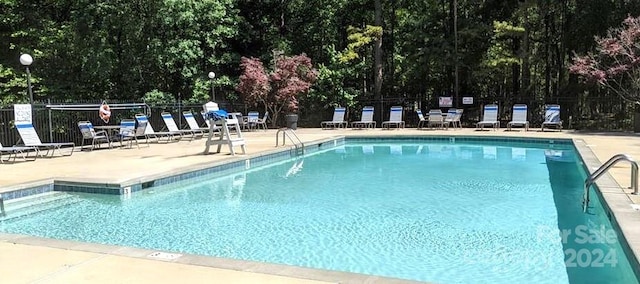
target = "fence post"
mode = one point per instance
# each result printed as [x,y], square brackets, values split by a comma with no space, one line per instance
[50,124]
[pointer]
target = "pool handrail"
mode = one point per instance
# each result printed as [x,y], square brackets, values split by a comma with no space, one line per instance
[591,179]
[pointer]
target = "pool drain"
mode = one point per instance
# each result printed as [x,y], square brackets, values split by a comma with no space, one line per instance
[164,255]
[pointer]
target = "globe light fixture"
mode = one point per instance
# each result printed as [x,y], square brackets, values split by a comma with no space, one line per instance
[212,75]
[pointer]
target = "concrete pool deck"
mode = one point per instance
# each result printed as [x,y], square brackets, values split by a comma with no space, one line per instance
[30,259]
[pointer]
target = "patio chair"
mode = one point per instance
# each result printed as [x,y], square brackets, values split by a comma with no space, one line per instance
[422,121]
[489,117]
[130,132]
[366,119]
[89,133]
[263,121]
[29,137]
[171,125]
[254,121]
[519,117]
[552,117]
[149,132]
[337,121]
[436,118]
[453,118]
[395,118]
[15,150]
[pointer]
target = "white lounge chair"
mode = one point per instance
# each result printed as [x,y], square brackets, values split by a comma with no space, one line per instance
[29,137]
[89,133]
[519,117]
[489,117]
[193,124]
[171,125]
[422,121]
[552,117]
[337,121]
[366,119]
[15,150]
[149,132]
[395,118]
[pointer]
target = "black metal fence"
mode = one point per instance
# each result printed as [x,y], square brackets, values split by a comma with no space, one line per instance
[61,125]
[52,125]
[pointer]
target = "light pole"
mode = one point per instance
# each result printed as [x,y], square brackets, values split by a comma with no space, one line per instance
[26,60]
[212,75]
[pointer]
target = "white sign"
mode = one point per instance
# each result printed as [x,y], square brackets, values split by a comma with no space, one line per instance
[445,101]
[467,100]
[22,113]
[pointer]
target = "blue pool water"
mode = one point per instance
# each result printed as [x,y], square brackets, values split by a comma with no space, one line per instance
[441,212]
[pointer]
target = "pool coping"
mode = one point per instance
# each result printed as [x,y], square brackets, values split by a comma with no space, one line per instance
[616,202]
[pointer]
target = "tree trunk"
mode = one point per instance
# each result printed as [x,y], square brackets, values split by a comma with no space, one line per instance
[377,90]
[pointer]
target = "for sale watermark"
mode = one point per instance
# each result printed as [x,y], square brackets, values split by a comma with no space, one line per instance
[593,244]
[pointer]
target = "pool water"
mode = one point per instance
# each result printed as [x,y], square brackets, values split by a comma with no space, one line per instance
[441,212]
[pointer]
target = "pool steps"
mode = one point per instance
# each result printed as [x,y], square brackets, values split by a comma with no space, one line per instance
[37,203]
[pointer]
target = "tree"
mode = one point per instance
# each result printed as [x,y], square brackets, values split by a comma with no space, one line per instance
[616,63]
[279,90]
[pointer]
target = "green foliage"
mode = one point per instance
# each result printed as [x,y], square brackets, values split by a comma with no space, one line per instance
[501,53]
[358,40]
[156,97]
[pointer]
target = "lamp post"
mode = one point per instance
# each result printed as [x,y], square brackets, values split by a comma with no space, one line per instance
[212,75]
[26,60]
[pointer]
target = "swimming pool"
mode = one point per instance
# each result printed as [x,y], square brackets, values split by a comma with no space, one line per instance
[434,211]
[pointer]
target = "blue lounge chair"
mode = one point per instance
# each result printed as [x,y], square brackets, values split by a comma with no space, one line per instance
[489,117]
[366,119]
[395,118]
[149,132]
[172,127]
[519,117]
[15,150]
[29,137]
[337,121]
[552,117]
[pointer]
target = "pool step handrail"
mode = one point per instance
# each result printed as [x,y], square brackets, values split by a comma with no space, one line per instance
[291,134]
[2,213]
[603,169]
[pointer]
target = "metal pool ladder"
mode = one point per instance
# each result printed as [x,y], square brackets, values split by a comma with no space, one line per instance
[603,169]
[2,213]
[291,134]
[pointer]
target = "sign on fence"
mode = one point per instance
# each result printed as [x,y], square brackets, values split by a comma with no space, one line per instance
[22,113]
[445,101]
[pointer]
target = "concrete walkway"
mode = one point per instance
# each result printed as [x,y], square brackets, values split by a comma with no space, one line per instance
[35,260]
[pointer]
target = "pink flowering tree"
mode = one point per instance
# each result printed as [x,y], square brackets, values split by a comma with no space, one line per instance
[616,63]
[279,90]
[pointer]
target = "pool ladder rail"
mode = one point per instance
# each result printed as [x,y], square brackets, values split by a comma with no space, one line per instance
[2,213]
[603,169]
[291,134]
